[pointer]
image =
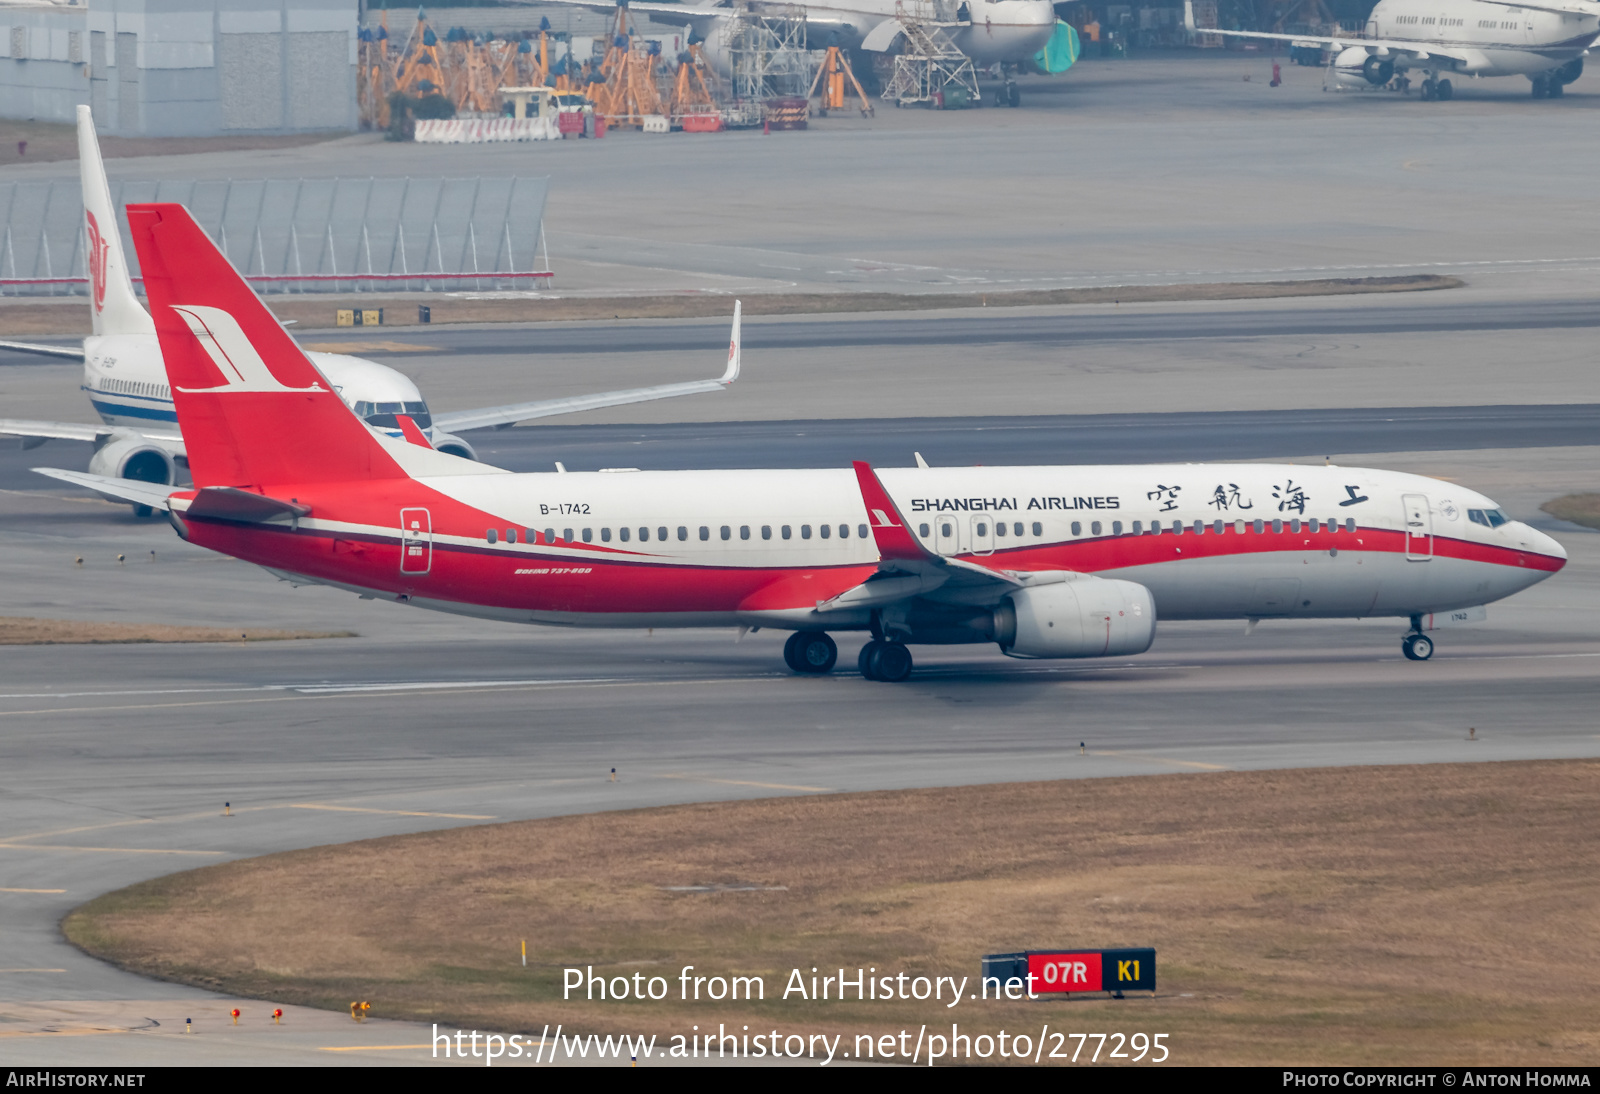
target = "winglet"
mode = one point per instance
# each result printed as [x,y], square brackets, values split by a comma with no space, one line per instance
[889,529]
[732,374]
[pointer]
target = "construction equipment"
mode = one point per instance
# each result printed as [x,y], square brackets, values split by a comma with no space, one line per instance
[628,94]
[694,104]
[831,76]
[929,69]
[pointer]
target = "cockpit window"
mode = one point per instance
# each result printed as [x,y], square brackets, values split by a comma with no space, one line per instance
[386,415]
[1489,518]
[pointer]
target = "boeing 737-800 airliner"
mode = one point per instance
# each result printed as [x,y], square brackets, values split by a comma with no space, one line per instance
[1044,561]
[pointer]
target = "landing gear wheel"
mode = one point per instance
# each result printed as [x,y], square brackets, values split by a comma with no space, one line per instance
[1444,91]
[1417,647]
[892,663]
[810,652]
[1541,87]
[1430,90]
[865,660]
[1557,89]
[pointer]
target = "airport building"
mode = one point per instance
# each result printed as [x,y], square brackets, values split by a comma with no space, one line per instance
[159,68]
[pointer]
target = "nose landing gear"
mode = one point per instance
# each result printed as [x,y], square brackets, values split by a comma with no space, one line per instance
[1416,645]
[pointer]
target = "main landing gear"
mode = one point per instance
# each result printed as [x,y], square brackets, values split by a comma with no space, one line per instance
[889,662]
[1441,90]
[810,652]
[1416,645]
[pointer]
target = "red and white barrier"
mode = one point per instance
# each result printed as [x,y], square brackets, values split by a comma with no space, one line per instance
[486,130]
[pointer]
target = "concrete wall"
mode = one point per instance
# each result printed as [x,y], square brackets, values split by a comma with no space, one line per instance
[183,67]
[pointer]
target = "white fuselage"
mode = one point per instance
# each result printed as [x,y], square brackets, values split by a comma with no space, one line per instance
[1501,40]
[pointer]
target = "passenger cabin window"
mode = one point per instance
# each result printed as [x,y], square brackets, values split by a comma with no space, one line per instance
[1094,528]
[766,531]
[1217,526]
[861,530]
[826,530]
[805,531]
[661,534]
[999,527]
[1316,525]
[683,532]
[1260,527]
[1038,528]
[644,535]
[844,531]
[549,535]
[1199,527]
[705,532]
[744,531]
[511,535]
[785,531]
[1077,528]
[982,529]
[1349,524]
[1277,526]
[566,534]
[588,535]
[922,530]
[605,535]
[725,532]
[491,535]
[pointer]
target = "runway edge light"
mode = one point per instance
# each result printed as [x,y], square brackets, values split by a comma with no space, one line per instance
[1057,972]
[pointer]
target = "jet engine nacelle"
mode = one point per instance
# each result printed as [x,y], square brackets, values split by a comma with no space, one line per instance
[453,445]
[1355,67]
[1088,617]
[134,458]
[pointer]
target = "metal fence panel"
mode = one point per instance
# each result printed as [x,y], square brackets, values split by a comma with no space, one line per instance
[301,235]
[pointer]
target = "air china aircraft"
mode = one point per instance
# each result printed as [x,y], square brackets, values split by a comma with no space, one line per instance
[1046,562]
[127,384]
[1545,42]
[988,31]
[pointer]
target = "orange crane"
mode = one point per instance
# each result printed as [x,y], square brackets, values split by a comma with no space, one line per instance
[628,94]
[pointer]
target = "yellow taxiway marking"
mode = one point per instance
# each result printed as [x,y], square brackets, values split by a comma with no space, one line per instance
[369,347]
[391,812]
[369,1048]
[742,782]
[115,850]
[32,890]
[1197,765]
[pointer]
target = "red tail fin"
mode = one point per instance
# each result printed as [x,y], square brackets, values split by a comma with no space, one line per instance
[889,529]
[253,408]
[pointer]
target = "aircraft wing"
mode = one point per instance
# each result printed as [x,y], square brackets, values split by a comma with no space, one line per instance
[78,431]
[672,14]
[502,416]
[1464,59]
[153,494]
[69,352]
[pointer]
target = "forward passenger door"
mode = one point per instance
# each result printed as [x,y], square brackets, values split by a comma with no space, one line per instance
[1418,527]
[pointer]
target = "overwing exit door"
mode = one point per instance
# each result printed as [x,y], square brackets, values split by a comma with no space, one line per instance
[1419,528]
[416,541]
[947,534]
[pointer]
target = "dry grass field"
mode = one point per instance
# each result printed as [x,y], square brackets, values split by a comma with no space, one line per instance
[1581,509]
[1384,915]
[69,316]
[25,631]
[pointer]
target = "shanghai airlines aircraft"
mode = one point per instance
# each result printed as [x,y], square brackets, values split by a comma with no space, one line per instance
[126,383]
[1044,561]
[1545,42]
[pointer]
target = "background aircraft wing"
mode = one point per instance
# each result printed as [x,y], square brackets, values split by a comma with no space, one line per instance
[153,494]
[500,416]
[674,14]
[79,431]
[73,353]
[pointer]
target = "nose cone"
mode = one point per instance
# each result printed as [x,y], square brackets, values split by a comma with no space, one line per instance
[1550,555]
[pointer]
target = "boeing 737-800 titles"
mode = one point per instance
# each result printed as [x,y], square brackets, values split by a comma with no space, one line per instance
[139,437]
[1044,561]
[1545,42]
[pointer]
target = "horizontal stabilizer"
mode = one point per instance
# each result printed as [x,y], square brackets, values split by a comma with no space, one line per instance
[153,494]
[231,503]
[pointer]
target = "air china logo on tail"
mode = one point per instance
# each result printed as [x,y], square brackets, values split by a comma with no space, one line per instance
[241,366]
[97,262]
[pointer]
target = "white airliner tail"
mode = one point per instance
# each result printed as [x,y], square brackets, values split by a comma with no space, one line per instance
[115,308]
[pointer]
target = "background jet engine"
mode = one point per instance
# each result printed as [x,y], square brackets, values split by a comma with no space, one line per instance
[453,445]
[1087,617]
[1355,67]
